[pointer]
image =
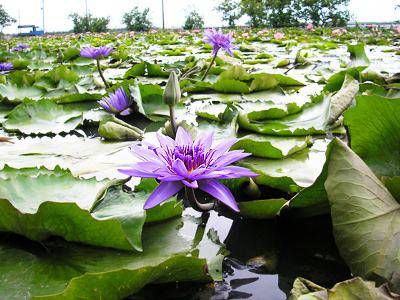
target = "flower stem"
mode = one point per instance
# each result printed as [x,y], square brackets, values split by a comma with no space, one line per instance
[101,73]
[209,67]
[172,118]
[195,204]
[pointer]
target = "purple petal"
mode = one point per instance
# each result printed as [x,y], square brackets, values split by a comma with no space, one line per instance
[219,192]
[192,185]
[205,140]
[148,169]
[183,138]
[179,168]
[165,141]
[223,147]
[164,191]
[232,172]
[230,157]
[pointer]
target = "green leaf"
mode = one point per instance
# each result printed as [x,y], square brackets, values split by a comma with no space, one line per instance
[376,140]
[292,173]
[310,121]
[231,86]
[365,217]
[13,93]
[335,82]
[263,82]
[283,63]
[357,55]
[354,288]
[85,157]
[34,201]
[342,99]
[261,209]
[65,270]
[137,70]
[114,129]
[270,146]
[42,117]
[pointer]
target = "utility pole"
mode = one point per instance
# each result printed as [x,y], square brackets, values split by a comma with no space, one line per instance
[163,15]
[86,9]
[43,15]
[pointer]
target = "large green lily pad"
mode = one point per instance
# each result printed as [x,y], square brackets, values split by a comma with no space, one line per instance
[292,173]
[365,217]
[57,269]
[38,203]
[374,130]
[42,117]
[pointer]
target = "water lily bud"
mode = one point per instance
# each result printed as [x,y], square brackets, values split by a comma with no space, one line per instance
[252,189]
[172,92]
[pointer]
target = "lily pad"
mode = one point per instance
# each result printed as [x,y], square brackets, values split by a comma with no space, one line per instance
[292,173]
[355,288]
[374,130]
[271,146]
[365,217]
[65,270]
[42,117]
[34,201]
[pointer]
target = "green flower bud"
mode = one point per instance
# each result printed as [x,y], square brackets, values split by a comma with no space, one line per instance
[172,92]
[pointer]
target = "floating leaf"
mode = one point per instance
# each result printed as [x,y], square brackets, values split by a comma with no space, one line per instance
[374,130]
[365,217]
[270,146]
[42,117]
[65,270]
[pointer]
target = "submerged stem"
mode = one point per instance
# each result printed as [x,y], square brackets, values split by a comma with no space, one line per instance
[195,204]
[101,73]
[209,67]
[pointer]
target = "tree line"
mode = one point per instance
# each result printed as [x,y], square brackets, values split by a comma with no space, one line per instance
[260,13]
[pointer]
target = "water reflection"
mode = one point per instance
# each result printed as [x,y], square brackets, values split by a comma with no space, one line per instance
[265,259]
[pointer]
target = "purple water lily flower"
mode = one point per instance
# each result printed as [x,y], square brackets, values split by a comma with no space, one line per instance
[219,40]
[20,47]
[96,53]
[117,103]
[4,67]
[184,163]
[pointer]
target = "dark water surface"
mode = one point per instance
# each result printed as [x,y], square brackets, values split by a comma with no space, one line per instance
[265,259]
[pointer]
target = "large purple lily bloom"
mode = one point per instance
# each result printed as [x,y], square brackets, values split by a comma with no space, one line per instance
[117,103]
[184,163]
[5,66]
[96,53]
[218,40]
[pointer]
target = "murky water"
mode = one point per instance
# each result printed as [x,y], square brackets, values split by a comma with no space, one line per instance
[265,259]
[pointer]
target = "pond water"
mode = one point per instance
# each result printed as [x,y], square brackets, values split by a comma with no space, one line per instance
[265,258]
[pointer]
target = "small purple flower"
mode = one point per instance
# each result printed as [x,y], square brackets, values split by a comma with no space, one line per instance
[219,40]
[184,163]
[117,103]
[96,53]
[4,67]
[20,47]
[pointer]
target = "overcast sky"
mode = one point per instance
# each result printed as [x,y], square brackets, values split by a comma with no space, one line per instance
[57,11]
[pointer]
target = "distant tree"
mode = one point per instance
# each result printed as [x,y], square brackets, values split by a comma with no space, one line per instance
[274,13]
[281,13]
[89,23]
[137,20]
[323,12]
[230,10]
[193,21]
[289,13]
[5,19]
[256,11]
